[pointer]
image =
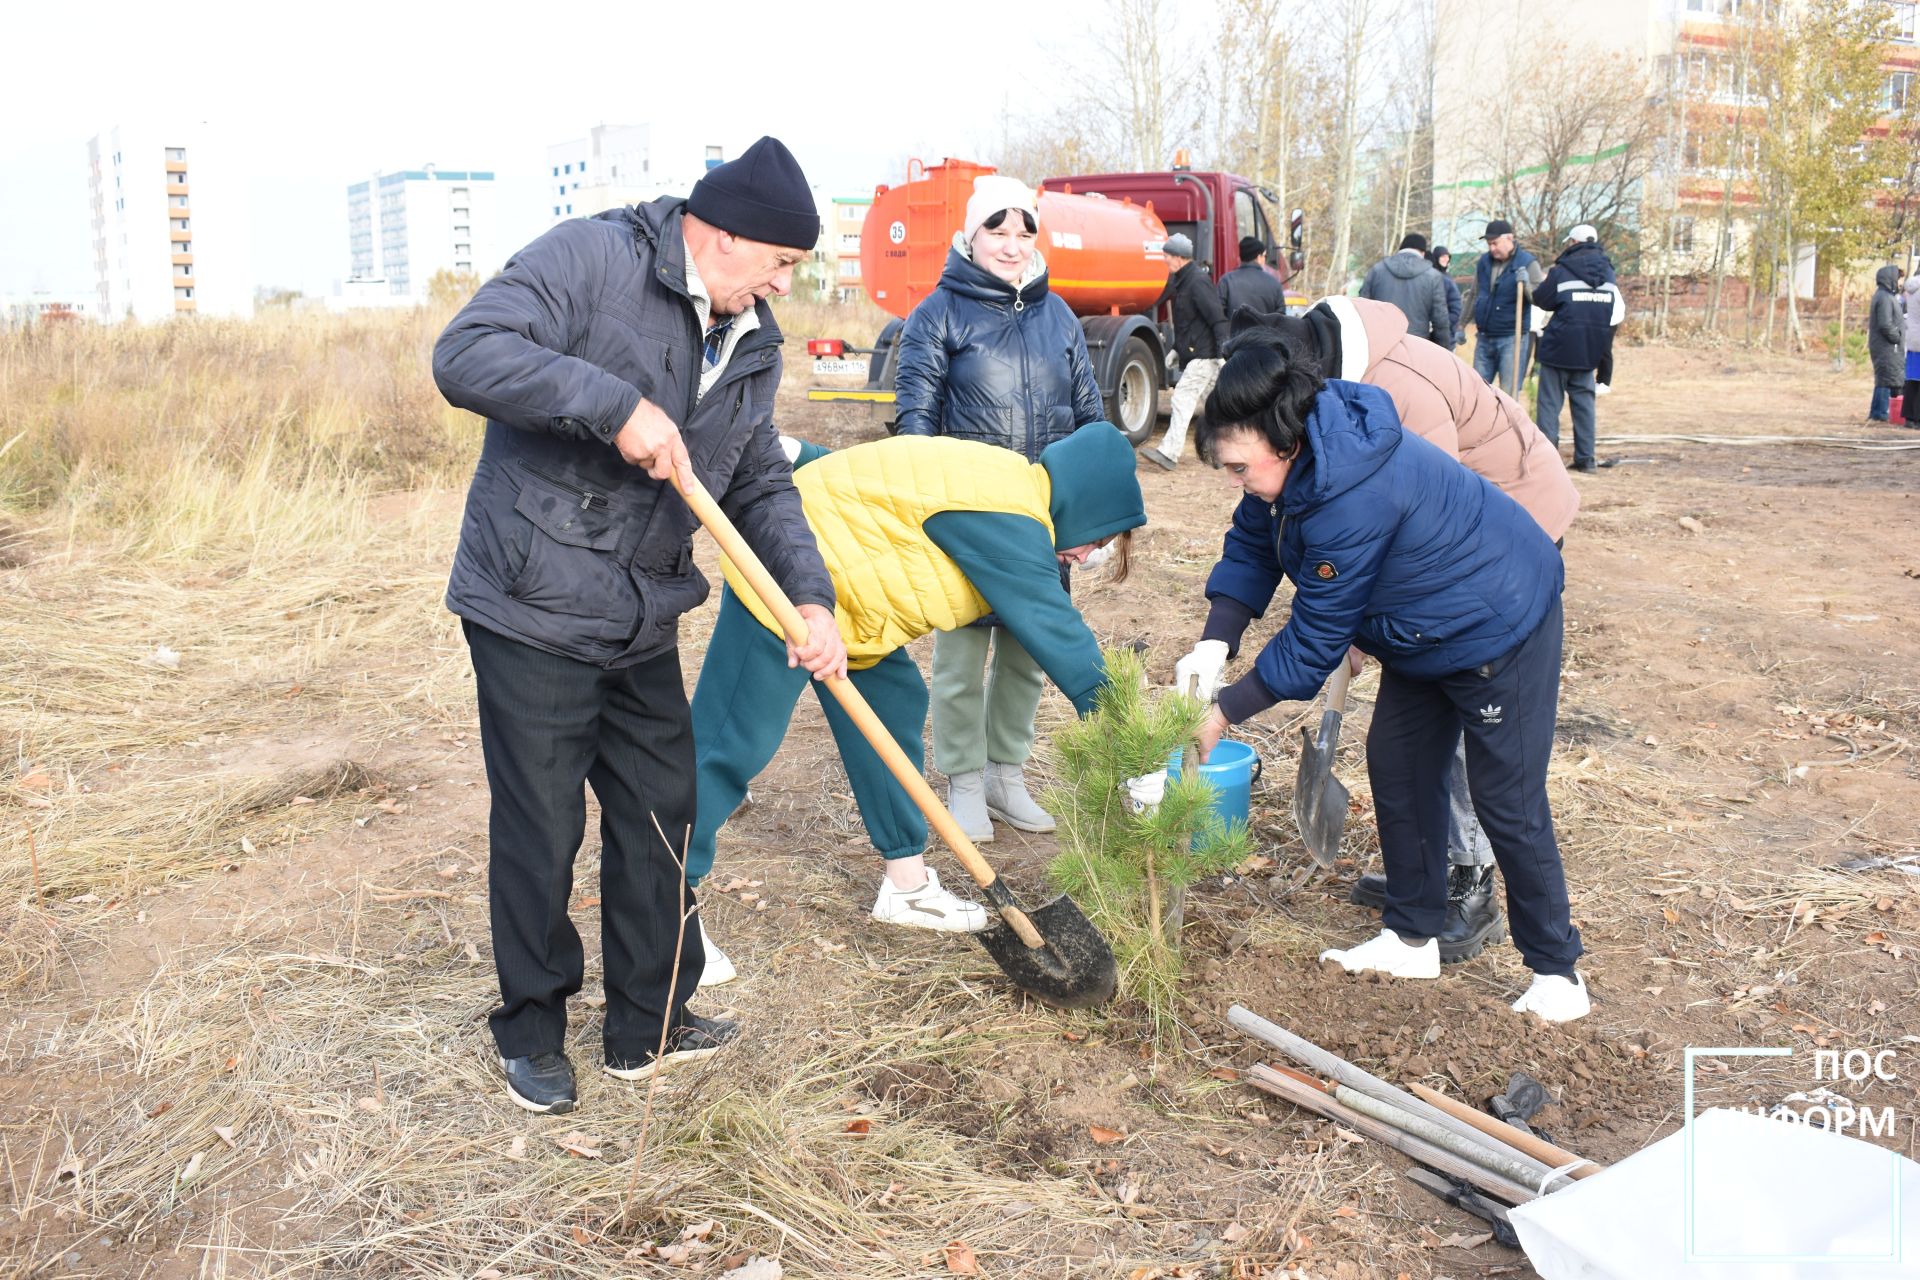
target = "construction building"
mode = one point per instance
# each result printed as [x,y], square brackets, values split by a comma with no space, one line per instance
[407,225]
[172,223]
[1486,77]
[622,164]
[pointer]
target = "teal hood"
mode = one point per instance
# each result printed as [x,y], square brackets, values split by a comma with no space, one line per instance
[1096,491]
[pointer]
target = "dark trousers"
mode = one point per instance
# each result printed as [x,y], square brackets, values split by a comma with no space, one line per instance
[1574,386]
[1910,402]
[1507,710]
[549,726]
[741,709]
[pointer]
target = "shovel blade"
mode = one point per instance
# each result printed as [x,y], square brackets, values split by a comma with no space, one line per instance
[1074,970]
[1319,798]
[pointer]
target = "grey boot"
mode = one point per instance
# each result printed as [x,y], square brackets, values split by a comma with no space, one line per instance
[967,798]
[1007,800]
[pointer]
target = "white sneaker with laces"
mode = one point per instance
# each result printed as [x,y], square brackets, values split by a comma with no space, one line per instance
[1553,998]
[928,907]
[1387,954]
[719,971]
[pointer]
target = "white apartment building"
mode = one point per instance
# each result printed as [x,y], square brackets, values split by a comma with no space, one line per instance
[404,226]
[621,164]
[172,223]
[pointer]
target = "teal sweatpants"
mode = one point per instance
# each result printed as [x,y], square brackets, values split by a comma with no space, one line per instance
[741,708]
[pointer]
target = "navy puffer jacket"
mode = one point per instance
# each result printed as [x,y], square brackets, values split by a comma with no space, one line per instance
[1392,546]
[980,360]
[1575,290]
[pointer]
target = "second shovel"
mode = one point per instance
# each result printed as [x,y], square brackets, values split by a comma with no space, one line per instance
[1319,798]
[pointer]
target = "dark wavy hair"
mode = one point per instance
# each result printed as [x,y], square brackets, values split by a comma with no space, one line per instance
[1267,386]
[995,219]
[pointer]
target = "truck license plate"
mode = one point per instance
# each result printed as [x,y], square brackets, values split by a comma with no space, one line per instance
[838,367]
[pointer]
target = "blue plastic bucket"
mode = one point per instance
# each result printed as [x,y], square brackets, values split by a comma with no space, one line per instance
[1231,771]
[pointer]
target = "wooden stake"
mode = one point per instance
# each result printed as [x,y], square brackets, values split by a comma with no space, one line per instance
[1316,1059]
[1533,1145]
[1305,1096]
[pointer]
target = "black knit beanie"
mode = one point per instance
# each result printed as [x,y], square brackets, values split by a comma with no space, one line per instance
[762,196]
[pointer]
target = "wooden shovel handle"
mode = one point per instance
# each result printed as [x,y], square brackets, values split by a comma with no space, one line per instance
[735,548]
[1337,685]
[1538,1148]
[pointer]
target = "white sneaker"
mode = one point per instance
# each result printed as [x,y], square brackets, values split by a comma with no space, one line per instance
[1553,998]
[1602,389]
[1387,954]
[719,971]
[928,907]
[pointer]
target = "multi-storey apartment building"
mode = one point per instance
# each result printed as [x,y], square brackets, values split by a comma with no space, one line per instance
[172,223]
[404,226]
[619,164]
[1485,76]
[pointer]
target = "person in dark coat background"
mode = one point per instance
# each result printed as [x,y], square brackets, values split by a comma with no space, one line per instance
[1199,335]
[575,562]
[1250,284]
[1577,340]
[1886,341]
[1503,347]
[992,355]
[1398,551]
[1409,282]
[1442,260]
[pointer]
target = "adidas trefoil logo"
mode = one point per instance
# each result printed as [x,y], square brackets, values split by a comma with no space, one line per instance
[1490,715]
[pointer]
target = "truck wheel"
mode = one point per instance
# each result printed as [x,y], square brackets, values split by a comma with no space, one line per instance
[1133,402]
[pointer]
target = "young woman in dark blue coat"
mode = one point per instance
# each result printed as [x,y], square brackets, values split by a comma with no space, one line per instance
[1399,552]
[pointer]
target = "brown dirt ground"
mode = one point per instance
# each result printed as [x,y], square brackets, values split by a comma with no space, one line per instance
[1703,668]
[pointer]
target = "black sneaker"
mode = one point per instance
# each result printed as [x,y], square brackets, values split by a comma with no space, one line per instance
[1473,920]
[691,1041]
[1588,465]
[542,1083]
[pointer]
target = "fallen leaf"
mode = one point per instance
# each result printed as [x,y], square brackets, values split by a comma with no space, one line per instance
[1346,1211]
[1673,917]
[1346,1135]
[1691,525]
[586,904]
[581,1238]
[69,1167]
[584,1145]
[1458,1241]
[1147,1273]
[860,1126]
[517,1149]
[1073,1037]
[829,948]
[1235,1233]
[1883,904]
[246,846]
[699,1230]
[754,1269]
[893,1189]
[299,800]
[38,780]
[960,1259]
[1224,1073]
[225,1134]
[1876,937]
[193,1167]
[489,1274]
[1104,1136]
[369,1105]
[160,1109]
[391,805]
[233,1060]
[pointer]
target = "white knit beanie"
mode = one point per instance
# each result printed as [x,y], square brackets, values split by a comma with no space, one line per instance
[993,192]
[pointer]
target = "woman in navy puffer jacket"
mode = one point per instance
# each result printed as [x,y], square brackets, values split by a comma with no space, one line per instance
[1400,552]
[992,355]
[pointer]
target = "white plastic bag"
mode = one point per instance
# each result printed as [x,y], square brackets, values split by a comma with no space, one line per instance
[1770,1201]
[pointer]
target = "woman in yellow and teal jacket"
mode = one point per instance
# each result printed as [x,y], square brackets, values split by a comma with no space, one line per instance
[919,534]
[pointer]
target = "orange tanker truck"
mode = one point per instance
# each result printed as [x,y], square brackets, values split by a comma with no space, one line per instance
[1101,235]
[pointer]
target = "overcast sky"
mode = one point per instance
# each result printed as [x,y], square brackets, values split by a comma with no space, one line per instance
[320,96]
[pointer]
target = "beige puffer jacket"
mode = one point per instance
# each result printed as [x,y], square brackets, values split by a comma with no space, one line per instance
[1442,400]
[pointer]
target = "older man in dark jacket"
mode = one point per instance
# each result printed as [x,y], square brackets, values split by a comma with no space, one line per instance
[1199,335]
[616,358]
[1579,291]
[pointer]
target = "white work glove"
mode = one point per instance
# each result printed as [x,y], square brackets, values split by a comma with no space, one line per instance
[1208,661]
[1146,791]
[790,447]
